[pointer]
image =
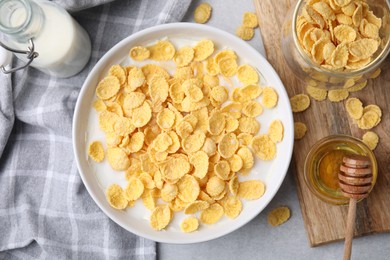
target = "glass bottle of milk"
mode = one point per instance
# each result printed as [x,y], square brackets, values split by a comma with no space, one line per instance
[62,45]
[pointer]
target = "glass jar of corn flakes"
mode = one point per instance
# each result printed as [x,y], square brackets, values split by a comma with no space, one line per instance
[302,38]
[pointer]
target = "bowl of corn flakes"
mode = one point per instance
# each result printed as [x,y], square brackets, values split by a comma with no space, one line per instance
[182,133]
[337,44]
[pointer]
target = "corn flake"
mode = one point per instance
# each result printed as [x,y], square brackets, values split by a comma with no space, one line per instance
[232,207]
[376,74]
[247,74]
[136,142]
[202,116]
[337,95]
[175,146]
[252,109]
[234,185]
[192,89]
[169,192]
[211,67]
[245,139]
[373,108]
[141,115]
[264,147]
[209,147]
[118,72]
[147,181]
[117,159]
[166,119]
[312,16]
[184,129]
[228,145]
[193,142]
[235,163]
[188,188]
[158,89]
[251,190]
[250,20]
[160,218]
[231,124]
[371,139]
[363,48]
[222,170]
[139,53]
[324,10]
[317,93]
[217,123]
[249,125]
[228,67]
[354,108]
[177,205]
[200,161]
[215,186]
[99,105]
[300,130]
[133,100]
[196,206]
[212,214]
[116,197]
[96,151]
[339,57]
[152,70]
[135,79]
[184,56]
[189,225]
[113,139]
[108,87]
[162,51]
[202,13]
[344,33]
[175,168]
[149,200]
[134,189]
[343,3]
[369,120]
[203,50]
[276,131]
[247,157]
[219,94]
[278,216]
[245,33]
[270,97]
[299,103]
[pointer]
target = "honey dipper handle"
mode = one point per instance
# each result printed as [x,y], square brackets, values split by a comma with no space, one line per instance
[350,228]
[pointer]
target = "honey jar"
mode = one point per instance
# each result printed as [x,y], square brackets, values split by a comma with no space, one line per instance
[323,162]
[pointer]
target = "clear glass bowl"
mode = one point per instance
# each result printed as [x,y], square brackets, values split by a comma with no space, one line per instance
[315,75]
[326,187]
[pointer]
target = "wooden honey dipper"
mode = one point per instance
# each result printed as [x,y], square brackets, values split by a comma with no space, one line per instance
[355,180]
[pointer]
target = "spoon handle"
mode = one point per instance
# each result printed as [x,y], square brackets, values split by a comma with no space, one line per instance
[350,229]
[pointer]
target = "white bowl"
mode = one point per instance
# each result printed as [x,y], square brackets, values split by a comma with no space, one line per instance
[97,177]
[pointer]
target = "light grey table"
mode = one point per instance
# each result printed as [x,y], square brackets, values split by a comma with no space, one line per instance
[258,240]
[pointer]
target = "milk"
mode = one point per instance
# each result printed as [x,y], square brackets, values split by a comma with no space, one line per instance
[63,45]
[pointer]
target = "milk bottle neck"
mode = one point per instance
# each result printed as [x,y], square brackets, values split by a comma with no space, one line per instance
[20,20]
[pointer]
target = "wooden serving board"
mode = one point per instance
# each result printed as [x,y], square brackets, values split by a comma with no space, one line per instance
[324,222]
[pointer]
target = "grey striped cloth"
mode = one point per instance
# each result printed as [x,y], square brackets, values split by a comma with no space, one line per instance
[45,210]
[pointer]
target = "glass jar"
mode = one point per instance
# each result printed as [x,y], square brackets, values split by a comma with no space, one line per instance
[62,47]
[316,75]
[322,166]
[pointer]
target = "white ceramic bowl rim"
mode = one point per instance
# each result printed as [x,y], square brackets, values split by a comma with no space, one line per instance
[187,27]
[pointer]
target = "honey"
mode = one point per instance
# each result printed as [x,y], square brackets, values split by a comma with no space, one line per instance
[328,168]
[323,162]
